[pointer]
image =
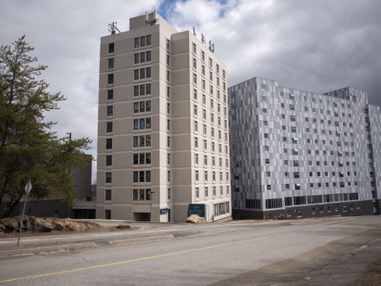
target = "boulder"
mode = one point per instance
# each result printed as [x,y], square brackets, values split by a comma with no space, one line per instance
[195,219]
[123,226]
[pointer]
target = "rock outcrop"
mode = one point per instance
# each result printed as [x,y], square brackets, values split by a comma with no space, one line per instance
[38,224]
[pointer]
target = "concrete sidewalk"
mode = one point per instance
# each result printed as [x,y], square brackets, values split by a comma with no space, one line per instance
[32,243]
[9,248]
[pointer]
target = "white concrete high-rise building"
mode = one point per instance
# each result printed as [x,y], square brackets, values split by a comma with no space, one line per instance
[163,142]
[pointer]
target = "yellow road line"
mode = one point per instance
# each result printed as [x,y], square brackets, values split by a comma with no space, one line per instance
[128,261]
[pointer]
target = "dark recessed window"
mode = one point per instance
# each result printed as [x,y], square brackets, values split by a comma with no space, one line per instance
[110,110]
[108,177]
[107,195]
[109,126]
[109,143]
[111,63]
[110,94]
[108,160]
[111,47]
[110,78]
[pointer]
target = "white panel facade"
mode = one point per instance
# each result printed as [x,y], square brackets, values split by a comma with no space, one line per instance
[301,153]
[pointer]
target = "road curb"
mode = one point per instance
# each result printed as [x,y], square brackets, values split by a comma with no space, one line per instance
[31,250]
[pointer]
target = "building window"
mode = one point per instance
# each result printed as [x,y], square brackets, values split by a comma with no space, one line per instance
[109,143]
[108,160]
[142,57]
[109,126]
[142,106]
[195,110]
[136,42]
[195,126]
[143,89]
[141,194]
[110,94]
[111,48]
[142,123]
[110,78]
[142,41]
[107,214]
[273,203]
[194,49]
[107,195]
[111,63]
[110,110]
[135,176]
[108,177]
[142,73]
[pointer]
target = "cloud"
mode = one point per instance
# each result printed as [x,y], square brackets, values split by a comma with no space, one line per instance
[66,37]
[311,45]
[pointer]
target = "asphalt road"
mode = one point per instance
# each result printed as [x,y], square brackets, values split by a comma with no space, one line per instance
[333,251]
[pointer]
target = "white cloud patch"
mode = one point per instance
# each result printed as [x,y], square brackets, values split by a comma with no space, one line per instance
[304,44]
[312,45]
[66,37]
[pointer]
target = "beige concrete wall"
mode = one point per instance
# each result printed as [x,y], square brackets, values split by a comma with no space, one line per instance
[181,118]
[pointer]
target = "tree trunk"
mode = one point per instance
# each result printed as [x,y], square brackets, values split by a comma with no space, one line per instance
[10,206]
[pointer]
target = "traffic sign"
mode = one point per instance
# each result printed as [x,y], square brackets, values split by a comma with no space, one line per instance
[28,187]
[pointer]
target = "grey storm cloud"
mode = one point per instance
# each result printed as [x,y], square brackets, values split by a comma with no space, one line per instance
[316,46]
[311,45]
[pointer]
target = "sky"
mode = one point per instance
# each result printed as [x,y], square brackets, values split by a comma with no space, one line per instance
[311,45]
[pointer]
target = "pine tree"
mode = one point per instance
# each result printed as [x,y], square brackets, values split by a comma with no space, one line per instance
[28,147]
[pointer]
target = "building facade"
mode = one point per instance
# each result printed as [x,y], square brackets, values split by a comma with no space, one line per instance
[163,144]
[301,154]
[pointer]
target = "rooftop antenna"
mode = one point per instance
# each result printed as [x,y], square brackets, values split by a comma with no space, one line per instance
[151,18]
[194,30]
[112,28]
[202,38]
[211,46]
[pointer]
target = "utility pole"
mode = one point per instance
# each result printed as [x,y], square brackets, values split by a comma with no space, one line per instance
[68,207]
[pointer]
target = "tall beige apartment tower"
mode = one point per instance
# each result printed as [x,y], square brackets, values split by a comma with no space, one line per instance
[163,142]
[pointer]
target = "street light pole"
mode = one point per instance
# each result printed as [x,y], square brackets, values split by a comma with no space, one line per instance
[69,133]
